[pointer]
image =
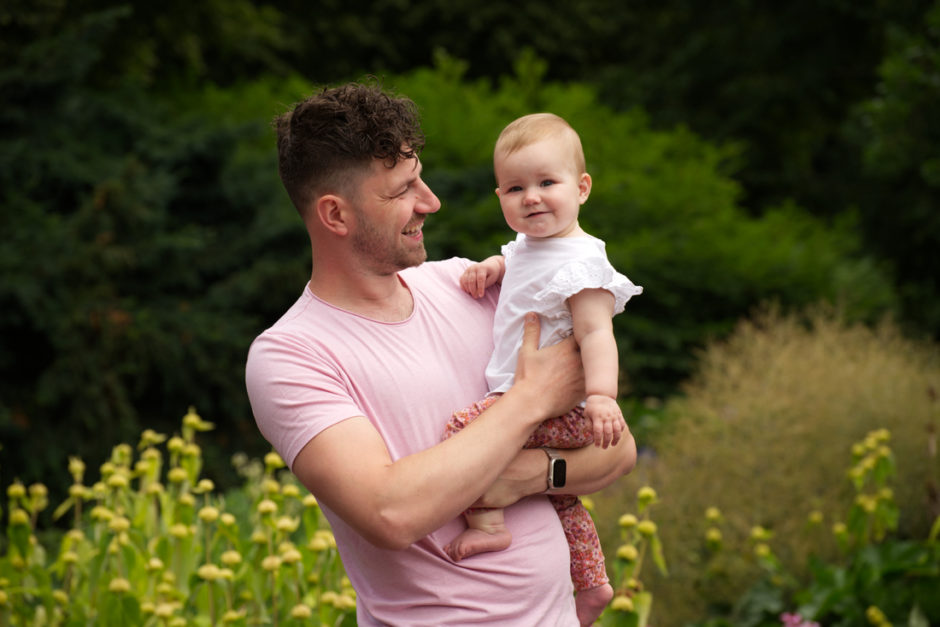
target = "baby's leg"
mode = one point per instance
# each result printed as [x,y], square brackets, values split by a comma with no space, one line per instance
[592,587]
[486,532]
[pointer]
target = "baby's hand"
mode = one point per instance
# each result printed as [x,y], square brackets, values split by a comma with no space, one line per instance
[607,419]
[480,276]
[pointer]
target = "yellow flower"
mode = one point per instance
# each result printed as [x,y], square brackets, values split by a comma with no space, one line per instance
[179,530]
[345,602]
[231,558]
[163,610]
[271,562]
[16,490]
[176,444]
[310,501]
[4,598]
[713,514]
[815,517]
[119,585]
[622,603]
[291,556]
[70,557]
[209,572]
[187,499]
[191,450]
[647,528]
[119,524]
[762,550]
[270,486]
[177,475]
[713,536]
[301,611]
[61,597]
[588,503]
[286,524]
[627,552]
[627,521]
[19,517]
[118,480]
[76,468]
[318,544]
[228,519]
[267,507]
[232,616]
[759,534]
[273,461]
[208,514]
[290,490]
[646,495]
[154,563]
[204,485]
[328,598]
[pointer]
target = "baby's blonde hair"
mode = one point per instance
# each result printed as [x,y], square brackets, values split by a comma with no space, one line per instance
[535,127]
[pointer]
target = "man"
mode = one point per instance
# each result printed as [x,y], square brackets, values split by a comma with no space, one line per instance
[354,384]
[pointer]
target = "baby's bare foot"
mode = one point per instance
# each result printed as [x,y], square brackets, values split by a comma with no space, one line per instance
[590,603]
[473,541]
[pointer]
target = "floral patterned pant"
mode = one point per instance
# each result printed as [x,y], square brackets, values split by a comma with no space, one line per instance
[572,430]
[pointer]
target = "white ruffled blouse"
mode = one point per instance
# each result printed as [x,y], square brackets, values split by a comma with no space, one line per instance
[540,276]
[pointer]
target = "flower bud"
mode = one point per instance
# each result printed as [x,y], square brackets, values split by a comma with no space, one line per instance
[301,611]
[622,603]
[286,524]
[209,572]
[204,485]
[627,521]
[267,507]
[16,490]
[713,515]
[290,490]
[627,552]
[231,558]
[175,444]
[208,514]
[19,517]
[119,524]
[227,519]
[647,528]
[310,501]
[646,495]
[273,461]
[271,563]
[177,475]
[119,585]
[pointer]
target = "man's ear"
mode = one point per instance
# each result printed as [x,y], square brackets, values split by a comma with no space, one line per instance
[333,213]
[584,187]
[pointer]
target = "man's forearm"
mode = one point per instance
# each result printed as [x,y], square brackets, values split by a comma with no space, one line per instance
[589,469]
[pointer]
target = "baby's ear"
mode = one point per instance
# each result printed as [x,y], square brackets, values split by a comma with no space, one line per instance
[497,192]
[584,186]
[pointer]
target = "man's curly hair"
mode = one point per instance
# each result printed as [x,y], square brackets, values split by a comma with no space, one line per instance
[326,141]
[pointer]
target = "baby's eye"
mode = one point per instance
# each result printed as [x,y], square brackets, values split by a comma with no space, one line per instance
[547,183]
[514,188]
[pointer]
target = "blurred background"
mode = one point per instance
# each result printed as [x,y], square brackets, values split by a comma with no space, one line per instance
[745,156]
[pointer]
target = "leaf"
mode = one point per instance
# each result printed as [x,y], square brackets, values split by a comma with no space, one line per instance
[656,546]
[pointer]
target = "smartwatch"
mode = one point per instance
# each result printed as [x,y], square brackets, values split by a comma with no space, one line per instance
[557,469]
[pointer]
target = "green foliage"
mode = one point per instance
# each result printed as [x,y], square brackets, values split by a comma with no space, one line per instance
[761,435]
[898,132]
[147,242]
[153,543]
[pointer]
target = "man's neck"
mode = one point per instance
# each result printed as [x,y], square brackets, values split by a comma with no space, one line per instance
[379,297]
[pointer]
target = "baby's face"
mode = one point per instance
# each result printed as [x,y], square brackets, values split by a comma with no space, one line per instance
[540,189]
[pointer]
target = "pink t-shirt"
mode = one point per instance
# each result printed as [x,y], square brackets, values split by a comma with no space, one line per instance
[319,365]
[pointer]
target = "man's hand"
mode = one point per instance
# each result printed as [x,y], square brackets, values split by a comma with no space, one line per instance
[607,419]
[553,376]
[480,276]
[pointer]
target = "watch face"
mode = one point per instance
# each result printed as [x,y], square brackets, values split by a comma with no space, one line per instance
[559,472]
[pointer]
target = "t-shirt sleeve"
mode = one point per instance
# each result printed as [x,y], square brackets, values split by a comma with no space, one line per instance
[581,274]
[294,394]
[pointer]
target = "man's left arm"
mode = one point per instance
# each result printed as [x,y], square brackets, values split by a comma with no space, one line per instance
[589,469]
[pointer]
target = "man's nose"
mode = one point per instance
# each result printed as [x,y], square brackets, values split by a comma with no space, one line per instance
[428,202]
